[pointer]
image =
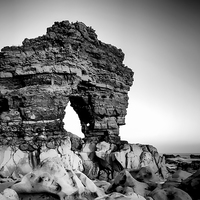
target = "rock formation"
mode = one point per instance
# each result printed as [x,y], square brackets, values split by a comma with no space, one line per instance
[68,64]
[37,81]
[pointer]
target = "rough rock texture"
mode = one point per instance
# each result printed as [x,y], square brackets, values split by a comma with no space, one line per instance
[15,163]
[136,156]
[53,177]
[97,161]
[68,64]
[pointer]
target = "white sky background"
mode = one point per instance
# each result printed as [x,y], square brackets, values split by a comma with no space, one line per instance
[161,45]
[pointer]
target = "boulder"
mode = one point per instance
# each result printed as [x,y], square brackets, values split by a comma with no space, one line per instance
[119,196]
[51,176]
[147,175]
[136,156]
[124,179]
[192,184]
[180,175]
[169,194]
[10,194]
[176,178]
[14,163]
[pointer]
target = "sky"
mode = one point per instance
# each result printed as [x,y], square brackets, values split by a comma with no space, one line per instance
[161,43]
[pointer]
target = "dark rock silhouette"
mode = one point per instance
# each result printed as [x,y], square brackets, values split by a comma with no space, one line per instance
[191,185]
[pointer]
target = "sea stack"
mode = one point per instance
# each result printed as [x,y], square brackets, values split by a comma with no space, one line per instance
[66,65]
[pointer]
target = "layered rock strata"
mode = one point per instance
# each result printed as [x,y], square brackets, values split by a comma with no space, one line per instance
[67,64]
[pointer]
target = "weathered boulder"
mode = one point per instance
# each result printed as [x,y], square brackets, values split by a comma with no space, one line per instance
[51,176]
[192,184]
[9,194]
[124,180]
[119,196]
[180,175]
[169,194]
[176,178]
[136,156]
[146,175]
[14,163]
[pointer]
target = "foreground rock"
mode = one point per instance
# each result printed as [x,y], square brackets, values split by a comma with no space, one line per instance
[16,163]
[9,194]
[39,178]
[169,194]
[104,160]
[192,184]
[176,178]
[51,176]
[124,181]
[119,196]
[146,174]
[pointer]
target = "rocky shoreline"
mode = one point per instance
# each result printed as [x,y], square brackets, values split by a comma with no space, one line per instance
[130,171]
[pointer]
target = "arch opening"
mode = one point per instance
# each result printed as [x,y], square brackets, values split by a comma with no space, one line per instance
[72,122]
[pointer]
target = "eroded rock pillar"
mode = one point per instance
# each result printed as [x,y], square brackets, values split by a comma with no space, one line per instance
[39,78]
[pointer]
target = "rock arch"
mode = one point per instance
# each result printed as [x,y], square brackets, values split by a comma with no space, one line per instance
[39,78]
